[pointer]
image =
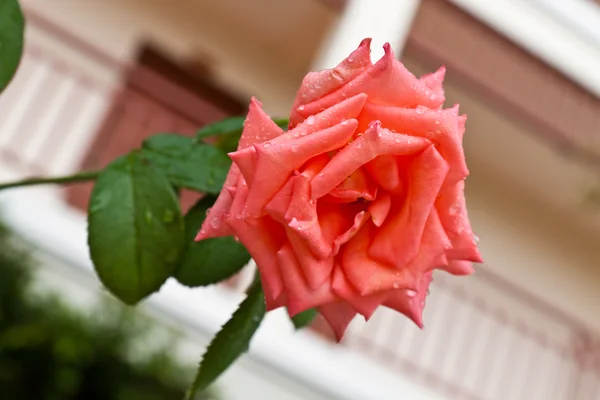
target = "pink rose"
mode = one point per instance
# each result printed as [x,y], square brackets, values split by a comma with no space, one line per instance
[363,197]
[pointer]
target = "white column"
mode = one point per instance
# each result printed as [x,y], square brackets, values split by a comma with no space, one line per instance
[382,20]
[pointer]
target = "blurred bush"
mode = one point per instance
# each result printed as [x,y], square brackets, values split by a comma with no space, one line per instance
[49,351]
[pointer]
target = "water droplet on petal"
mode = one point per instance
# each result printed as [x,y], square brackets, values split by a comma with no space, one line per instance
[420,110]
[310,120]
[215,222]
[397,140]
[411,293]
[267,145]
[345,122]
[237,239]
[475,240]
[294,148]
[300,108]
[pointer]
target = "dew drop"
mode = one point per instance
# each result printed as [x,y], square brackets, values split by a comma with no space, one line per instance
[215,222]
[345,122]
[294,148]
[300,108]
[310,120]
[237,239]
[397,140]
[321,173]
[411,293]
[475,240]
[267,145]
[420,110]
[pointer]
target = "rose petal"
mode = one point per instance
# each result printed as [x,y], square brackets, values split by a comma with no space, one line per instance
[384,170]
[380,208]
[214,225]
[258,127]
[318,84]
[315,270]
[364,305]
[459,267]
[301,216]
[398,240]
[386,82]
[452,210]
[409,303]
[442,127]
[374,142]
[300,296]
[434,81]
[367,275]
[338,315]
[275,162]
[359,221]
[356,186]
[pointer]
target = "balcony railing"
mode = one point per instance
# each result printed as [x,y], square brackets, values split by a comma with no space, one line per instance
[484,338]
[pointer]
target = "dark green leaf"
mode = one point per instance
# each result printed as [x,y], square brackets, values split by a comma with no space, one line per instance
[304,318]
[211,260]
[188,164]
[232,340]
[12,26]
[135,228]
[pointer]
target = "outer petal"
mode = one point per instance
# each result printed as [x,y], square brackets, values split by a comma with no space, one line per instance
[386,82]
[452,210]
[258,127]
[262,237]
[300,296]
[338,315]
[435,80]
[399,239]
[365,305]
[409,303]
[318,84]
[214,225]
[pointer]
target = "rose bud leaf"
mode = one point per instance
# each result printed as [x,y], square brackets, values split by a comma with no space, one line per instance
[208,261]
[187,163]
[232,340]
[135,228]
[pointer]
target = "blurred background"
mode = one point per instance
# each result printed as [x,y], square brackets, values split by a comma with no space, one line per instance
[97,77]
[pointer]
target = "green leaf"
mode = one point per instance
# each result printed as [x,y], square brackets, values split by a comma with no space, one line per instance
[211,260]
[187,163]
[228,126]
[135,228]
[12,26]
[304,318]
[232,340]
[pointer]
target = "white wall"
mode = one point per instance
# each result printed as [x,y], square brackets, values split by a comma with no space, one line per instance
[268,63]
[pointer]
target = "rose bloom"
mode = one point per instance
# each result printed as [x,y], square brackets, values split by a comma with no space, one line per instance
[360,200]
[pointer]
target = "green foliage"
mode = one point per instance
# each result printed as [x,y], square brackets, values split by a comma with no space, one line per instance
[188,163]
[232,340]
[12,26]
[304,318]
[136,230]
[212,260]
[51,352]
